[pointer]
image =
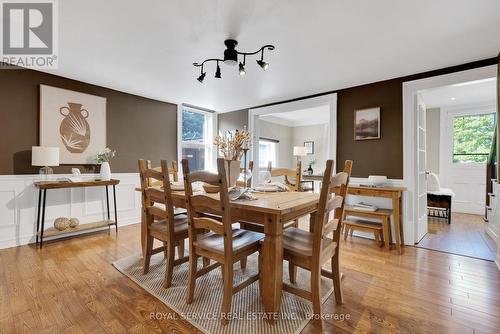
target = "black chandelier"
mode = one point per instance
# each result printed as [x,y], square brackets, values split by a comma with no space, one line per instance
[231,58]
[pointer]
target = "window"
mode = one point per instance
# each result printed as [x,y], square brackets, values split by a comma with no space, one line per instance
[268,151]
[196,132]
[472,138]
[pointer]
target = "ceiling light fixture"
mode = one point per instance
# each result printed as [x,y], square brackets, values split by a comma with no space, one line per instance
[231,58]
[217,72]
[202,75]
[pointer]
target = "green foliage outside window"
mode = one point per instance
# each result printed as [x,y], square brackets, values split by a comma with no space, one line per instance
[193,125]
[472,138]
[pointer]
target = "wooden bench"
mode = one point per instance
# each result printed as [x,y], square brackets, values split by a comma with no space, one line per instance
[383,216]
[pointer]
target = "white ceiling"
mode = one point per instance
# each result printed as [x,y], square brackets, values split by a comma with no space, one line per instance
[303,117]
[479,92]
[148,47]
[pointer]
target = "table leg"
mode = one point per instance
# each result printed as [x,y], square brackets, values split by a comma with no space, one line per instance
[386,222]
[397,226]
[107,202]
[38,215]
[272,268]
[402,235]
[114,203]
[44,196]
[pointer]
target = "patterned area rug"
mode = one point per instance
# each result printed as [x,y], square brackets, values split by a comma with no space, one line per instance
[247,311]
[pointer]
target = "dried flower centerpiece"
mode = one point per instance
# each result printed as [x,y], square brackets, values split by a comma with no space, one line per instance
[231,147]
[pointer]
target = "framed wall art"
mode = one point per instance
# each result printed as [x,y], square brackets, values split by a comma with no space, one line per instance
[75,122]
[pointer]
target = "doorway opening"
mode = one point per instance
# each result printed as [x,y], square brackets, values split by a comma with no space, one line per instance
[455,154]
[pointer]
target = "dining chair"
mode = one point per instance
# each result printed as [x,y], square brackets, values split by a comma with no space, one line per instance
[171,170]
[161,222]
[288,174]
[223,243]
[311,250]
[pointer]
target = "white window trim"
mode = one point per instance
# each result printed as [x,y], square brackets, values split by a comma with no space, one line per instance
[277,151]
[210,150]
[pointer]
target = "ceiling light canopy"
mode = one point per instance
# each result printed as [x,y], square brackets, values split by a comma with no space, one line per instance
[231,58]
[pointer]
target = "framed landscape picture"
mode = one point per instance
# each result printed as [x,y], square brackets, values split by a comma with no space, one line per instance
[75,122]
[367,124]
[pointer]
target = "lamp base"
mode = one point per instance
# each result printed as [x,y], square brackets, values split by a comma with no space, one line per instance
[46,171]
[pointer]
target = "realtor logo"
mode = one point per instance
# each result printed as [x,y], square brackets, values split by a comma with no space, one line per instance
[29,33]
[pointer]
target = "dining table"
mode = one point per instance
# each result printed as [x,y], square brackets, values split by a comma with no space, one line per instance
[271,210]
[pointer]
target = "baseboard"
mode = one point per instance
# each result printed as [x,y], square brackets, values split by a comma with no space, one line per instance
[491,231]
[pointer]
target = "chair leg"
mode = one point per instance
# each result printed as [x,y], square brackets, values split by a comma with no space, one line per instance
[169,265]
[193,262]
[295,223]
[351,231]
[228,292]
[316,289]
[346,232]
[180,249]
[377,239]
[206,262]
[243,263]
[292,272]
[147,256]
[337,288]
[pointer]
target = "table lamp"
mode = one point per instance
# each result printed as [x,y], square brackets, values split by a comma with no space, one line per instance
[45,157]
[299,151]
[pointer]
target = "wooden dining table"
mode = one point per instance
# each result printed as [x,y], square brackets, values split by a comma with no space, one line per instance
[272,211]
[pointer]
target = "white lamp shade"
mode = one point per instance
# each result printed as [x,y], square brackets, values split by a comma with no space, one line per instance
[299,150]
[44,156]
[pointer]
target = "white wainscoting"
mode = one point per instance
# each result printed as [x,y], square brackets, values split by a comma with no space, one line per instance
[19,199]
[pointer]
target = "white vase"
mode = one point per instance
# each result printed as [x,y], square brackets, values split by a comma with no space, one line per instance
[105,171]
[232,171]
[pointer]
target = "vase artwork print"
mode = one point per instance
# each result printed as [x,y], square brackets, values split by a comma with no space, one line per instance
[75,122]
[74,129]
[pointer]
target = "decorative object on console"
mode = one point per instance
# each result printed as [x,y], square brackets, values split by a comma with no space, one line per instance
[61,223]
[45,157]
[103,158]
[367,123]
[299,151]
[75,122]
[377,180]
[310,170]
[309,145]
[74,222]
[231,58]
[231,147]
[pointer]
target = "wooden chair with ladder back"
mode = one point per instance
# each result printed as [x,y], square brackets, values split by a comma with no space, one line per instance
[223,243]
[311,250]
[162,224]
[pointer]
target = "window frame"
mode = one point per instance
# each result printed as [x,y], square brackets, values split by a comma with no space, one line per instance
[276,151]
[464,115]
[210,128]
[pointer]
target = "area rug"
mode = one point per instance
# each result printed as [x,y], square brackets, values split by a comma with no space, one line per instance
[247,311]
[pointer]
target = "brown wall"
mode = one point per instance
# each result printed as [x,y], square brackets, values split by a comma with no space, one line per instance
[382,156]
[136,127]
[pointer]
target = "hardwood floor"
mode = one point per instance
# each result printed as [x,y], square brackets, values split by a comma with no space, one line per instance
[464,236]
[71,287]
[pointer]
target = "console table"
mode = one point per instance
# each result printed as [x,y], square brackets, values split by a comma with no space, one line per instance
[42,197]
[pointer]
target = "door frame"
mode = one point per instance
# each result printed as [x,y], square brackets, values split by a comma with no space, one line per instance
[410,149]
[329,100]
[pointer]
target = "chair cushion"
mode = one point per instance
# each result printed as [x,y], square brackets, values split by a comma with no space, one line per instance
[433,183]
[242,240]
[180,225]
[300,243]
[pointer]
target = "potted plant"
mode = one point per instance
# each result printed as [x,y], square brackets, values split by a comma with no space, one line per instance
[103,159]
[231,148]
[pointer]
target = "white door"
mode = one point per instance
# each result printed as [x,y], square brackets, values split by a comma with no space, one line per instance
[421,182]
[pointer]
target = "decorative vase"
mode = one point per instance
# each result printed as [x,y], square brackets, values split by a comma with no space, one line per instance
[232,171]
[310,170]
[74,129]
[105,171]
